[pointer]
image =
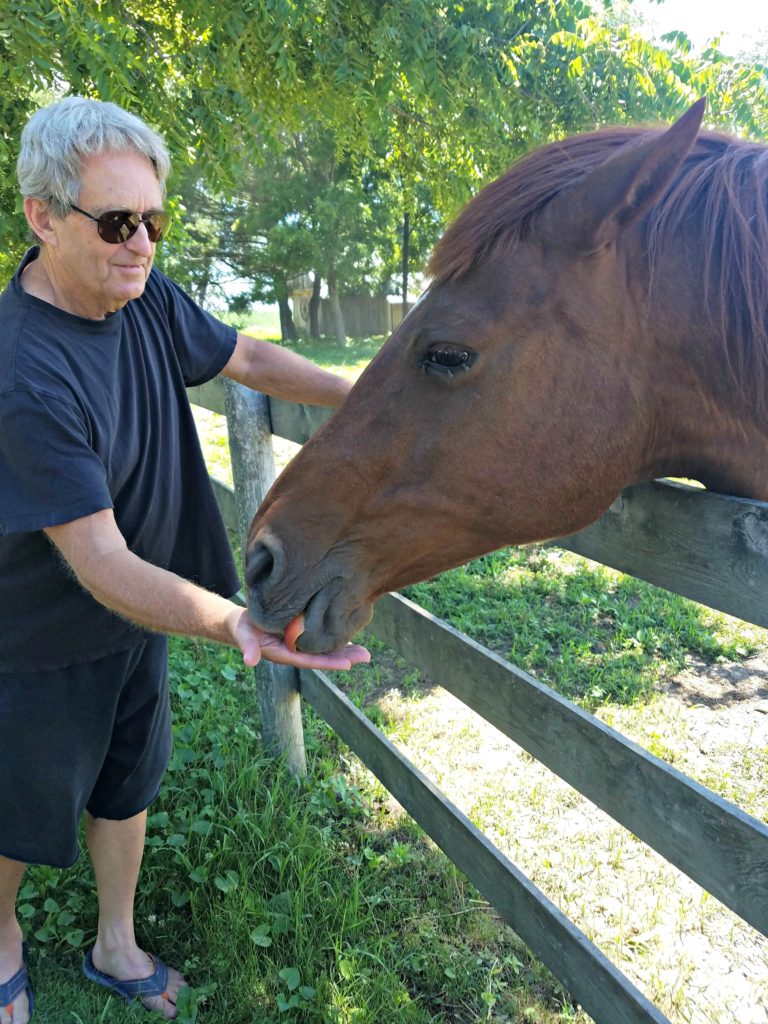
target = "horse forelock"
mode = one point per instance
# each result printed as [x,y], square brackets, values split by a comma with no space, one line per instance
[720,190]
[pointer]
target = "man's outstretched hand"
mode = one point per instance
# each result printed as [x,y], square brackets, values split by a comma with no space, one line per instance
[255,644]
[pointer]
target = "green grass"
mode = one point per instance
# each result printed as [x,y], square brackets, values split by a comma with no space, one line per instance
[348,360]
[593,634]
[284,899]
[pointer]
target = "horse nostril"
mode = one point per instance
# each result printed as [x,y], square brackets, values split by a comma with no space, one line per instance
[264,562]
[258,565]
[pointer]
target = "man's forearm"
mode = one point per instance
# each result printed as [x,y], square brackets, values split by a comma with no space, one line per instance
[96,552]
[284,374]
[143,593]
[159,600]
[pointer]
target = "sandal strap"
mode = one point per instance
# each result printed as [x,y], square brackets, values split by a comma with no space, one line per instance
[12,988]
[140,988]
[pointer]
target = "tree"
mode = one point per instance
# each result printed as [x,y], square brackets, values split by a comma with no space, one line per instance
[437,98]
[303,210]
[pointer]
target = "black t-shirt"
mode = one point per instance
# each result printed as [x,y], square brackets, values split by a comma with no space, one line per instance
[94,415]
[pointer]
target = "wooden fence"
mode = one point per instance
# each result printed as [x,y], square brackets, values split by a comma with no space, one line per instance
[705,546]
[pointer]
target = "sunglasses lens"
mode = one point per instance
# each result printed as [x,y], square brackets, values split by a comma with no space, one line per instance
[156,225]
[118,226]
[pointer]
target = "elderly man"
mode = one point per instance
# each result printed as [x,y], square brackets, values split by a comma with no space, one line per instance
[109,533]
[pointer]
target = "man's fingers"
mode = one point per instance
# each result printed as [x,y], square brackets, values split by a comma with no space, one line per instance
[357,655]
[344,658]
[254,644]
[251,651]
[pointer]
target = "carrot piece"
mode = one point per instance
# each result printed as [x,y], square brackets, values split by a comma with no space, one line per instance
[293,631]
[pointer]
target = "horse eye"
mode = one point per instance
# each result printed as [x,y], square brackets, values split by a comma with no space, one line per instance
[446,361]
[448,355]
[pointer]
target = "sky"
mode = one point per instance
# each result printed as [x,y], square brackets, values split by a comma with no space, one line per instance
[739,23]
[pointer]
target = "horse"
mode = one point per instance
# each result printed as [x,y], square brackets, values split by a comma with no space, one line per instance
[596,318]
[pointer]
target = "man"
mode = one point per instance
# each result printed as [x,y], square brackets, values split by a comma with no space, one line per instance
[106,519]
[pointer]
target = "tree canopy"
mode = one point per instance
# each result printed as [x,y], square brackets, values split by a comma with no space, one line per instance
[303,131]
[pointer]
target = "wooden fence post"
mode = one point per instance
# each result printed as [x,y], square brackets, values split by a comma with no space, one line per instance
[253,472]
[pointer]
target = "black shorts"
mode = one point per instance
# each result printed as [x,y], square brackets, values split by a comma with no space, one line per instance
[95,736]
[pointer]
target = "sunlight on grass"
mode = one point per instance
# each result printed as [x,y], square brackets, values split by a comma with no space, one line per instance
[592,633]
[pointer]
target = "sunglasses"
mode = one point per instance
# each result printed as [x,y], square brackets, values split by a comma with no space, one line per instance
[116,226]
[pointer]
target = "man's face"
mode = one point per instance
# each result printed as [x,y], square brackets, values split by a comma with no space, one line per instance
[95,277]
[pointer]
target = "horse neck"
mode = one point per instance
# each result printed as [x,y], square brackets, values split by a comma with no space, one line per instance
[709,420]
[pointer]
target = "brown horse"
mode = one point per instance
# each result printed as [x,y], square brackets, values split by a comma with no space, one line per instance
[596,318]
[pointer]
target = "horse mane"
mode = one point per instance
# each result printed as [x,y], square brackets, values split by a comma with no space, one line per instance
[721,186]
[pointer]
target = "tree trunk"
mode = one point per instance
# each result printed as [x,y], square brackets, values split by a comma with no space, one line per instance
[287,326]
[406,243]
[338,317]
[314,307]
[200,288]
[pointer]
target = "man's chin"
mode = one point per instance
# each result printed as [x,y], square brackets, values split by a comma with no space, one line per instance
[130,291]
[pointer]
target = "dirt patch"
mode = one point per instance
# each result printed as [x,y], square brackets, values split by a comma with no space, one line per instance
[723,685]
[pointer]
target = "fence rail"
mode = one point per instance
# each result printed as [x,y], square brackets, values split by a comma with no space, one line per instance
[590,977]
[705,546]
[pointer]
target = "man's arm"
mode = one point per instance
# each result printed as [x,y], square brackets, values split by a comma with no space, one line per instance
[97,553]
[277,371]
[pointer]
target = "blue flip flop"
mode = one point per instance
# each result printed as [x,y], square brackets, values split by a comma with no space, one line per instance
[19,983]
[141,988]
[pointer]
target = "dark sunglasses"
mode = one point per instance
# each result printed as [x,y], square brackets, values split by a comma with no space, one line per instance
[116,226]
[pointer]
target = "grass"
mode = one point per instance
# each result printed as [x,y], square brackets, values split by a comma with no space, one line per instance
[349,360]
[593,634]
[284,899]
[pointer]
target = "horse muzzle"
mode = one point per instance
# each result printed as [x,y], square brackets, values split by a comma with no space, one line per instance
[277,594]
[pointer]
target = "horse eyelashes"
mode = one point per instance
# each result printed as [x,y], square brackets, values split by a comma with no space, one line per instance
[446,361]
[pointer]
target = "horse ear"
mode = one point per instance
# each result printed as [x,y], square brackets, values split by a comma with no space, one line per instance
[610,198]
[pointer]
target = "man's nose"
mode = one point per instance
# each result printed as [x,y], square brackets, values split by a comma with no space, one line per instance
[139,241]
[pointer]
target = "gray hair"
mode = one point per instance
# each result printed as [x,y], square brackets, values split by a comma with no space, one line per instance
[57,138]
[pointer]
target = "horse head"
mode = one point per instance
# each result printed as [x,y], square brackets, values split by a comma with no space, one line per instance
[515,401]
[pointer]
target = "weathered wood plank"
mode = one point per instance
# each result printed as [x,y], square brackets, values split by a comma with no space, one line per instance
[289,420]
[706,546]
[225,498]
[589,976]
[711,840]
[296,422]
[209,396]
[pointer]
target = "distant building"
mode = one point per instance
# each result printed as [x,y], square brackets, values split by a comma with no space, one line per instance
[364,315]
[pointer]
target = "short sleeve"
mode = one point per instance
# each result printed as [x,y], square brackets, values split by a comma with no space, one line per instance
[203,344]
[49,473]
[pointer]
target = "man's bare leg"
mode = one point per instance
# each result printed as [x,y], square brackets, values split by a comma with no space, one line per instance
[116,849]
[10,938]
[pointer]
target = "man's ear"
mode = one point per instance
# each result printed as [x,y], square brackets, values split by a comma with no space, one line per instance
[40,221]
[610,198]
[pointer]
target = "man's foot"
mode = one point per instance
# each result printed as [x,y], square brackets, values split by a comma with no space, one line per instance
[136,975]
[15,992]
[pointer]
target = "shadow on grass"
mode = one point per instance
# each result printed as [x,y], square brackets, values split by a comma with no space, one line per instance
[594,635]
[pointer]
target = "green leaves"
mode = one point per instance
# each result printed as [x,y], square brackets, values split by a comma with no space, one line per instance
[53,921]
[298,996]
[260,936]
[313,127]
